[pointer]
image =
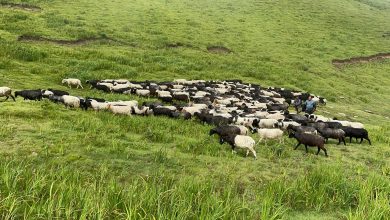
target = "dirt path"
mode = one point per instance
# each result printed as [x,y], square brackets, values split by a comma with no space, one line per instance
[353,60]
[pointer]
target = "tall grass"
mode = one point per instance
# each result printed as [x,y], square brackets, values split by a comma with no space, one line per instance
[29,191]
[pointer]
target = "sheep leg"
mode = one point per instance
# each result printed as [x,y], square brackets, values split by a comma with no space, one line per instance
[368,139]
[350,139]
[299,143]
[318,150]
[307,151]
[326,153]
[344,141]
[361,140]
[254,153]
[81,86]
[7,97]
[339,141]
[247,153]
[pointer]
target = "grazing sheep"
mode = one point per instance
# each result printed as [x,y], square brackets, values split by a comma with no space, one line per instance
[72,82]
[309,140]
[356,133]
[142,92]
[127,103]
[333,133]
[240,141]
[270,134]
[30,94]
[70,101]
[7,92]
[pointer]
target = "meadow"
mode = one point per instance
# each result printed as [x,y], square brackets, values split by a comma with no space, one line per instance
[71,164]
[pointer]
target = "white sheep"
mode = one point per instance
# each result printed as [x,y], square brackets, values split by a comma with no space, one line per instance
[7,92]
[276,116]
[243,130]
[97,106]
[270,134]
[241,141]
[356,125]
[72,82]
[132,103]
[70,101]
[267,123]
[142,92]
[284,124]
[192,110]
[120,109]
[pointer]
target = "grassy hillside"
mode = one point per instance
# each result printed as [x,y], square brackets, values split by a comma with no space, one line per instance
[72,164]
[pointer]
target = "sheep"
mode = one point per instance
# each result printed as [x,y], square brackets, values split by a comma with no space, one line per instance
[70,101]
[310,140]
[267,123]
[47,93]
[332,133]
[97,106]
[276,116]
[225,130]
[127,103]
[269,134]
[72,82]
[120,109]
[284,124]
[356,133]
[302,129]
[7,92]
[191,110]
[240,141]
[30,94]
[143,111]
[58,92]
[142,92]
[356,125]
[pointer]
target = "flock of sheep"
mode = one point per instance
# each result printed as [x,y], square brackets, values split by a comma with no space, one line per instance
[234,107]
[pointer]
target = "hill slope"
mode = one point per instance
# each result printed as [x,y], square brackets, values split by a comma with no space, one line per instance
[174,163]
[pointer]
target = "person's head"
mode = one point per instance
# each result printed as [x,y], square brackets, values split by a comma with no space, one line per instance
[310,97]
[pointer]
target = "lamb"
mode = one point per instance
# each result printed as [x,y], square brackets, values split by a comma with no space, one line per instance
[120,109]
[356,133]
[70,101]
[270,133]
[240,141]
[309,140]
[7,92]
[72,82]
[333,133]
[30,94]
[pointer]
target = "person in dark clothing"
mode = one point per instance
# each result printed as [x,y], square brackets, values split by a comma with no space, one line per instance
[310,105]
[297,104]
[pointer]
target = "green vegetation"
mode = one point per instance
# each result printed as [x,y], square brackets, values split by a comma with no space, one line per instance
[71,164]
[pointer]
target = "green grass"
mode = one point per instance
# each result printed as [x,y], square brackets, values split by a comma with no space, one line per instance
[71,164]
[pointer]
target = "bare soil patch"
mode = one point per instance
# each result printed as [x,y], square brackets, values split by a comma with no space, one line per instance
[218,49]
[21,6]
[81,41]
[353,60]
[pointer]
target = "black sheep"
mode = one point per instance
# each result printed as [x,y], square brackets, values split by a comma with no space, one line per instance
[310,140]
[224,130]
[58,92]
[332,133]
[30,94]
[356,133]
